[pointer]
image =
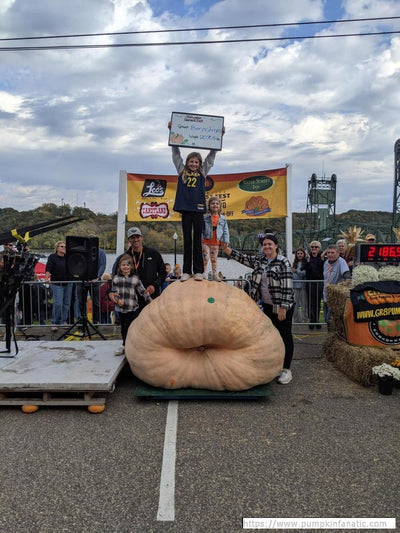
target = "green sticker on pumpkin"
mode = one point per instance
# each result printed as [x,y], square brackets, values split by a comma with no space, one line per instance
[210,300]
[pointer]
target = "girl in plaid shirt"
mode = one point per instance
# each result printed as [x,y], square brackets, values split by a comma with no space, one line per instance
[124,292]
[272,284]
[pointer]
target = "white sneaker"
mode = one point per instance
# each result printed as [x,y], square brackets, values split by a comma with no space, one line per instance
[185,277]
[216,278]
[120,351]
[285,376]
[198,277]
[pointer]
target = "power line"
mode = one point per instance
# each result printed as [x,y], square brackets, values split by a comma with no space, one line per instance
[183,43]
[251,26]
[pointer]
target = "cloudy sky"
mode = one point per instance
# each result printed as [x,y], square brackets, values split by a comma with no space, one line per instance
[72,119]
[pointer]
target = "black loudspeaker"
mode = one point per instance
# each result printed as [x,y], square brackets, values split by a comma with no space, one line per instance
[82,257]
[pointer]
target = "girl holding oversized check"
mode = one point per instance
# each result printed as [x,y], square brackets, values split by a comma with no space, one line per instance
[190,201]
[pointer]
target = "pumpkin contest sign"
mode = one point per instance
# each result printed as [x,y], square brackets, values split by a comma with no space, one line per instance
[246,195]
[372,314]
[196,131]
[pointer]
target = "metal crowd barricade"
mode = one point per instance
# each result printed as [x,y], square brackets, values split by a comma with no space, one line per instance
[309,305]
[34,302]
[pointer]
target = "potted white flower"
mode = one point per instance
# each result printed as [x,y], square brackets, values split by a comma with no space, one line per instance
[386,375]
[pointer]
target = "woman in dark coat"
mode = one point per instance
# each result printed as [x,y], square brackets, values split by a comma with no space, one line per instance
[314,272]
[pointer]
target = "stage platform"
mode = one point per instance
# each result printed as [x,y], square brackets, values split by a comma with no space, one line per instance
[60,373]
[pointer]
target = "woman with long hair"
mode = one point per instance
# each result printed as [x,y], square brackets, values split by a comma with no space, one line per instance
[299,285]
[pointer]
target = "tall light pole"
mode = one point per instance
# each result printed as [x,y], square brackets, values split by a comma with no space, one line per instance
[175,237]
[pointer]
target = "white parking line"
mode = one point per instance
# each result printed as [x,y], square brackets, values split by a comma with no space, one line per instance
[166,503]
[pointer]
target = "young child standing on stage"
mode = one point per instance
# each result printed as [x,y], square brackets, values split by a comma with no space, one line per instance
[124,292]
[215,233]
[190,201]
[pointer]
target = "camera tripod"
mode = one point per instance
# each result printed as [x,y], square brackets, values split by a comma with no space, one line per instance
[15,268]
[83,324]
[7,313]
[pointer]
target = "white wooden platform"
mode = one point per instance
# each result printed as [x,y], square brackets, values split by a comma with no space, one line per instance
[60,373]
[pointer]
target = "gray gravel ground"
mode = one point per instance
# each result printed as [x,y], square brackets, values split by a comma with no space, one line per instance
[321,446]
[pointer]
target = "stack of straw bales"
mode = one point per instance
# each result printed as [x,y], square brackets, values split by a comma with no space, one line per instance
[354,361]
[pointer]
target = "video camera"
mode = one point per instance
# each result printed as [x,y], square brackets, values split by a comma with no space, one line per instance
[18,265]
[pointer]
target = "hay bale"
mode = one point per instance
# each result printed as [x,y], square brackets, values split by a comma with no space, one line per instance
[336,325]
[356,362]
[337,296]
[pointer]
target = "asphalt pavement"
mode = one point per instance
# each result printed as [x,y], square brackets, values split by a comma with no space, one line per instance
[322,446]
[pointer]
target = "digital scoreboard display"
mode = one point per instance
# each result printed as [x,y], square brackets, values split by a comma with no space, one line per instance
[378,253]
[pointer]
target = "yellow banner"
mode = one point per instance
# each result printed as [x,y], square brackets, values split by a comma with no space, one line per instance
[246,195]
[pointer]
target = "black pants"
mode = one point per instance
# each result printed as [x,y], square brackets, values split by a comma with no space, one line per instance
[192,249]
[126,320]
[314,296]
[285,329]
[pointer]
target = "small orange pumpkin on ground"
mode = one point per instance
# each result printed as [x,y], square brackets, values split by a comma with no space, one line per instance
[95,409]
[204,335]
[29,408]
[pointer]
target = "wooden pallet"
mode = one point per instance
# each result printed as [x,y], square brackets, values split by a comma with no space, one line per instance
[60,373]
[40,398]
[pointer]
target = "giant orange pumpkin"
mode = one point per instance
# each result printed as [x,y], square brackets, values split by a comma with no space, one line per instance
[204,335]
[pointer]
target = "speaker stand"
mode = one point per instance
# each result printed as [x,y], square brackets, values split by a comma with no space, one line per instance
[83,324]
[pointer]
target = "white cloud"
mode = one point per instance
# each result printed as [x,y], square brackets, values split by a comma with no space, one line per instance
[10,103]
[5,5]
[72,119]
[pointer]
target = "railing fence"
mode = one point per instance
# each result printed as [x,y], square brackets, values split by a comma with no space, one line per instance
[35,299]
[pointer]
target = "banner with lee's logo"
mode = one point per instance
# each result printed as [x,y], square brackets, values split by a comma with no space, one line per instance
[246,195]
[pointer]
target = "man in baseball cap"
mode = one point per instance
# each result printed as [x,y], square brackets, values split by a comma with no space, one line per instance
[147,264]
[134,231]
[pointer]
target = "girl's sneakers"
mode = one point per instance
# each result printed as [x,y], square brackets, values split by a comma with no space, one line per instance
[285,376]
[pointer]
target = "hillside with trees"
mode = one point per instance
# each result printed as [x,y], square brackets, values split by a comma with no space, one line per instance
[160,234]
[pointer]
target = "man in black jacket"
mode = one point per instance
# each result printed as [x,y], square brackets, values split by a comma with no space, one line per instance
[147,264]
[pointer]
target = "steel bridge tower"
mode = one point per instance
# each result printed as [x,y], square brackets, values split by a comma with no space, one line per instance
[396,194]
[321,205]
